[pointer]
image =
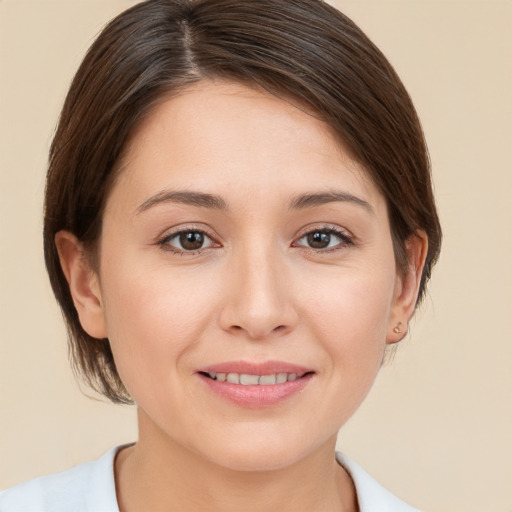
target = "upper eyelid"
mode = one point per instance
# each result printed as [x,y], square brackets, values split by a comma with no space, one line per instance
[325,227]
[171,232]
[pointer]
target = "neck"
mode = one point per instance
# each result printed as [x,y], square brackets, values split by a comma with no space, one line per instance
[158,474]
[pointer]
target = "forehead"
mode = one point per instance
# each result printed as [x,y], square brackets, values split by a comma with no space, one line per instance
[215,134]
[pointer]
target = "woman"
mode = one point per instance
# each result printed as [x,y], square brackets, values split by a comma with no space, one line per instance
[238,222]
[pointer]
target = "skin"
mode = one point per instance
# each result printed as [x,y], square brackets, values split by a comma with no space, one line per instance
[255,291]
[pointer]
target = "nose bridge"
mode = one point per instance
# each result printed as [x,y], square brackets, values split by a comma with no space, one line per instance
[259,302]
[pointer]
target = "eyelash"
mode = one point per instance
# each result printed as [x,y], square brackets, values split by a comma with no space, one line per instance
[344,240]
[164,242]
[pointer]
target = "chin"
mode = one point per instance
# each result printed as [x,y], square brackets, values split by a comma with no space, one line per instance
[259,453]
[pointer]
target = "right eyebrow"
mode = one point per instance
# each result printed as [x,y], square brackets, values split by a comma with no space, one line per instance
[200,199]
[331,196]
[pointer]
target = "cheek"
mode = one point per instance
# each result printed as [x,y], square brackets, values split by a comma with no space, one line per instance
[353,301]
[351,319]
[154,319]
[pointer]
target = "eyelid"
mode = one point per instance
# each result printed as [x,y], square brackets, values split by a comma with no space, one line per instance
[346,238]
[169,234]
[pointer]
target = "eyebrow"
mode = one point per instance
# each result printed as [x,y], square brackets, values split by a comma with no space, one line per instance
[212,201]
[200,199]
[332,196]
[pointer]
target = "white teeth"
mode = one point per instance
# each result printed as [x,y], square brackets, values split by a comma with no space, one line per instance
[281,377]
[246,379]
[265,380]
[233,378]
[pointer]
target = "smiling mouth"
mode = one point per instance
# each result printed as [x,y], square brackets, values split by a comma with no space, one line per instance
[246,379]
[256,385]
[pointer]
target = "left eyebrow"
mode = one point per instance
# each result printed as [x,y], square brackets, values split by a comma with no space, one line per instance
[184,197]
[332,196]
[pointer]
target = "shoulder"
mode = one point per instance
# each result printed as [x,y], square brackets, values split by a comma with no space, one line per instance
[88,487]
[371,495]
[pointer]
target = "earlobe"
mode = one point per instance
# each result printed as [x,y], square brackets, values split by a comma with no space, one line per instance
[83,284]
[407,287]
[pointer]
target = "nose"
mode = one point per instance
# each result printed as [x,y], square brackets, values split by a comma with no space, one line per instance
[259,303]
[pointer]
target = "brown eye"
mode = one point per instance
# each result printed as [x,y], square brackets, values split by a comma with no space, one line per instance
[191,240]
[328,238]
[187,241]
[318,239]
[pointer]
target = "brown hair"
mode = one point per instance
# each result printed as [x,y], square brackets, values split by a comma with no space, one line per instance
[304,49]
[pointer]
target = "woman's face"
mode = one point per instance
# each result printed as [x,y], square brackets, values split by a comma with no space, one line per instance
[241,241]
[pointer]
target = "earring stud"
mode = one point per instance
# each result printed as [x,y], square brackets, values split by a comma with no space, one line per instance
[397,329]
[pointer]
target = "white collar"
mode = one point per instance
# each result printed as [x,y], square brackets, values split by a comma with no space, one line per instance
[372,497]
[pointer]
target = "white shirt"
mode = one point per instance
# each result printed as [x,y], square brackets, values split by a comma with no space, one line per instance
[90,487]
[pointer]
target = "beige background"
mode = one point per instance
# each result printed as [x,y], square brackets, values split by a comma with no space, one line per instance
[436,428]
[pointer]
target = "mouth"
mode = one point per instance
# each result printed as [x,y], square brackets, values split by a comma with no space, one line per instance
[255,385]
[248,379]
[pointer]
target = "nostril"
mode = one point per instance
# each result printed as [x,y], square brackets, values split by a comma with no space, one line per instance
[280,329]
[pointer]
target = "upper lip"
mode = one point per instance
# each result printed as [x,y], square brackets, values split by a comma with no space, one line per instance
[255,368]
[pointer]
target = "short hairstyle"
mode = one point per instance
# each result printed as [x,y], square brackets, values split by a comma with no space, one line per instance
[302,49]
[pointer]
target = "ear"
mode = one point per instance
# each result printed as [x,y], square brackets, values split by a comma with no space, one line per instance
[83,284]
[407,287]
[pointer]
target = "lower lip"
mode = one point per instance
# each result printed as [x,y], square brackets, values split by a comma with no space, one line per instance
[258,396]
